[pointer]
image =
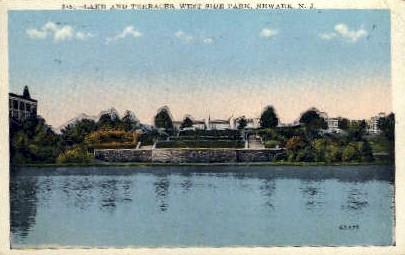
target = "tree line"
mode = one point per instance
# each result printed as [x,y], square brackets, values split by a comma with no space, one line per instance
[33,140]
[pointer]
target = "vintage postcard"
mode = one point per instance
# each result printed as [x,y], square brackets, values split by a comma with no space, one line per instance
[230,125]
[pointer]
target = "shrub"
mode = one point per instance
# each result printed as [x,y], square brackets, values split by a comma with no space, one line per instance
[271,144]
[111,136]
[333,153]
[351,153]
[366,152]
[75,154]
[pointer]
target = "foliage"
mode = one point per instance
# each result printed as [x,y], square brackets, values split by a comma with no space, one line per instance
[387,126]
[271,143]
[110,136]
[33,141]
[351,153]
[366,152]
[232,134]
[356,130]
[187,123]
[76,132]
[109,121]
[311,119]
[269,118]
[333,153]
[129,121]
[163,119]
[343,123]
[242,122]
[76,154]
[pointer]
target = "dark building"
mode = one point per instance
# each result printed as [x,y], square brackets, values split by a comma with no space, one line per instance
[22,106]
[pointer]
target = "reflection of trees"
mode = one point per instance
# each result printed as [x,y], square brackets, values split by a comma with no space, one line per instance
[82,192]
[23,204]
[267,189]
[356,199]
[162,192]
[313,194]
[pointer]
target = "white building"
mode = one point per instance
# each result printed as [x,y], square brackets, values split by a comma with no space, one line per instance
[22,107]
[219,124]
[373,124]
[333,125]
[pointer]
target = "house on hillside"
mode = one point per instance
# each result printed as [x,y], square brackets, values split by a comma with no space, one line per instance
[373,124]
[219,124]
[333,125]
[22,107]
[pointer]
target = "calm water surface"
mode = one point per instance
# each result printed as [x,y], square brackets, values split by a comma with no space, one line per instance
[202,206]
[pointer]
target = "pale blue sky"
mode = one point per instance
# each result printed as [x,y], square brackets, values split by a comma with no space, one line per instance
[202,62]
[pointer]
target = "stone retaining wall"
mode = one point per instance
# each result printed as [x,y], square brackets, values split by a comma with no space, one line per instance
[187,155]
[123,155]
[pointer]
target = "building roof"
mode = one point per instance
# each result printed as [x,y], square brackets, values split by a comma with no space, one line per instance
[22,97]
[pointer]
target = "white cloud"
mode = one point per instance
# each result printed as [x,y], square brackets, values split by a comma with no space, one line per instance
[83,35]
[183,36]
[36,34]
[343,31]
[327,36]
[128,31]
[208,40]
[63,33]
[57,32]
[268,33]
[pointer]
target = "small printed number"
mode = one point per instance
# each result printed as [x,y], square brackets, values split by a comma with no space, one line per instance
[349,227]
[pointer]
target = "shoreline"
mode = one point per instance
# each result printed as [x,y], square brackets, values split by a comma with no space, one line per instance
[143,164]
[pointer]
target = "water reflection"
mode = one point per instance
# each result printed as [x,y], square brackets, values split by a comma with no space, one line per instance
[267,189]
[162,192]
[313,194]
[356,199]
[258,192]
[23,203]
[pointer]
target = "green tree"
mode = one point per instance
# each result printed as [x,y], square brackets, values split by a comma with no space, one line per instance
[366,152]
[351,153]
[76,132]
[356,131]
[187,122]
[163,119]
[33,141]
[333,153]
[242,122]
[269,118]
[319,146]
[343,124]
[387,126]
[312,119]
[129,121]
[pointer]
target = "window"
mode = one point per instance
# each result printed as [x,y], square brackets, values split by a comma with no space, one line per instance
[15,104]
[28,107]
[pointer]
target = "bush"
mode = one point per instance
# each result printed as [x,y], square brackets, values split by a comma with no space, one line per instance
[271,144]
[366,152]
[111,136]
[351,153]
[333,153]
[305,155]
[75,154]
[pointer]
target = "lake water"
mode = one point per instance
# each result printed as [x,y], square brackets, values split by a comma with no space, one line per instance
[202,206]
